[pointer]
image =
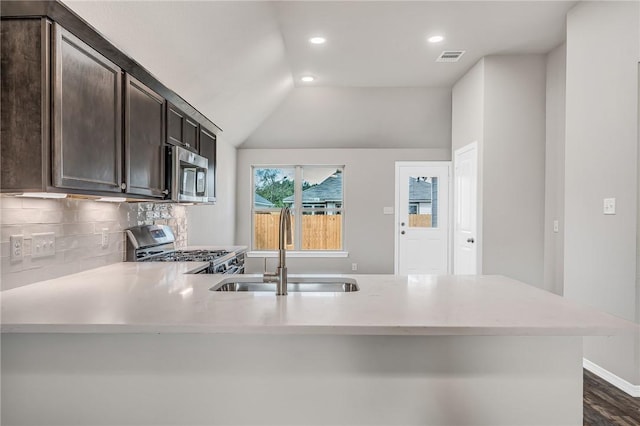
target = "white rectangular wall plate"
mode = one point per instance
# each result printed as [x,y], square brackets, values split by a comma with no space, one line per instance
[387,210]
[104,243]
[609,206]
[17,246]
[556,226]
[43,244]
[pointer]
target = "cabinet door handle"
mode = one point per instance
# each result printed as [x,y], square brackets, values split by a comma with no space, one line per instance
[165,192]
[123,186]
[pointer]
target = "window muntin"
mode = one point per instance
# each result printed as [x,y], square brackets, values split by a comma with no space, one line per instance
[316,192]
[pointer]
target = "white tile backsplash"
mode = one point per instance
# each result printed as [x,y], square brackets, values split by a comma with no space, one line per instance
[77,225]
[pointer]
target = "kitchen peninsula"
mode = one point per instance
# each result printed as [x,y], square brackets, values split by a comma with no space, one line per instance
[147,343]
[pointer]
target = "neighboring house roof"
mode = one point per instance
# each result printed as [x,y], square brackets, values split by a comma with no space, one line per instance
[419,191]
[260,201]
[329,189]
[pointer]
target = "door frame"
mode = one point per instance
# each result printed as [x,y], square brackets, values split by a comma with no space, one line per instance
[472,145]
[396,226]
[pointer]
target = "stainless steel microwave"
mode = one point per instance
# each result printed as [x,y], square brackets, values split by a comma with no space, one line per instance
[188,175]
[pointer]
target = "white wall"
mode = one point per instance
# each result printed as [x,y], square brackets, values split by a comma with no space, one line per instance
[554,170]
[215,224]
[341,117]
[369,186]
[513,167]
[501,104]
[602,161]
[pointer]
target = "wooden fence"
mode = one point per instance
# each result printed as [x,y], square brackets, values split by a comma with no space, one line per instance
[319,232]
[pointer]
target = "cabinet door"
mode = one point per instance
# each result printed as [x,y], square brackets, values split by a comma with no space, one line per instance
[175,124]
[181,130]
[208,150]
[191,134]
[87,121]
[24,105]
[144,137]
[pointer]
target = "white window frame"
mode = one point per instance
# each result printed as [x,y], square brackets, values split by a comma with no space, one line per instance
[298,210]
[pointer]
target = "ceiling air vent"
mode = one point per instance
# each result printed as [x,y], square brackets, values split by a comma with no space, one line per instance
[450,56]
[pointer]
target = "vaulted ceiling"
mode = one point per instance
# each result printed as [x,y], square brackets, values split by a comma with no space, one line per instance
[239,61]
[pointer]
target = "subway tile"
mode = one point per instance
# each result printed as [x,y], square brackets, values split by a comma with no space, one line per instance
[42,204]
[69,216]
[36,228]
[9,266]
[51,216]
[78,228]
[8,202]
[19,216]
[5,249]
[8,230]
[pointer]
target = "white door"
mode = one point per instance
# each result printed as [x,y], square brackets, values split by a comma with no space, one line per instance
[422,217]
[465,218]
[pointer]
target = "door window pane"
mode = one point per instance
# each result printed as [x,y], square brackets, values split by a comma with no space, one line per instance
[423,202]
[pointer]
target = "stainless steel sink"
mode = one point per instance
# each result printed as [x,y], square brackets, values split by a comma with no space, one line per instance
[311,283]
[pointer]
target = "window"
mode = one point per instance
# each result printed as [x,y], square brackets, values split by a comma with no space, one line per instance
[315,196]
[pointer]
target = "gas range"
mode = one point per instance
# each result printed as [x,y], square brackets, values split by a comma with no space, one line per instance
[156,243]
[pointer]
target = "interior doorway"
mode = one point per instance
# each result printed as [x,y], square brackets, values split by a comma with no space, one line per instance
[422,218]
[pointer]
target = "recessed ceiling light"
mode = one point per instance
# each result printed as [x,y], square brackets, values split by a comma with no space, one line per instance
[317,40]
[435,39]
[307,78]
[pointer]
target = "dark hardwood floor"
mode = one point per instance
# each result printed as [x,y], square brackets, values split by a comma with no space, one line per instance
[605,405]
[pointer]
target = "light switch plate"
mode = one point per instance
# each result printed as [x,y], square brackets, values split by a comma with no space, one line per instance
[43,244]
[556,226]
[609,206]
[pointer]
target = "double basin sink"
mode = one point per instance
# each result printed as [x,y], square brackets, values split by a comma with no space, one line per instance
[295,283]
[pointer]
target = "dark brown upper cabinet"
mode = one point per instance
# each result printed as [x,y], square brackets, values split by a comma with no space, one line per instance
[182,130]
[208,150]
[78,115]
[24,105]
[144,138]
[87,116]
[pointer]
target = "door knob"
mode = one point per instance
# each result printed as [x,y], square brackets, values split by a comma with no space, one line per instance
[402,232]
[470,240]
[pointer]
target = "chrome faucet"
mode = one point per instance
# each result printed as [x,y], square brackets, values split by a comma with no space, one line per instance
[280,276]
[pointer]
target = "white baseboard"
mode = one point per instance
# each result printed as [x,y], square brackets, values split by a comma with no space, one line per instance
[620,383]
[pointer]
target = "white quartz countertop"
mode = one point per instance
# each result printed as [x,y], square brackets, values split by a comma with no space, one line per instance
[158,297]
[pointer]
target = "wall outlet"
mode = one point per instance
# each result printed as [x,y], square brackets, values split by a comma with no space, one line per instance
[43,244]
[354,266]
[609,206]
[105,238]
[17,245]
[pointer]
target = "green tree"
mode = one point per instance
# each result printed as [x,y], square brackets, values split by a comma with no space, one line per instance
[269,187]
